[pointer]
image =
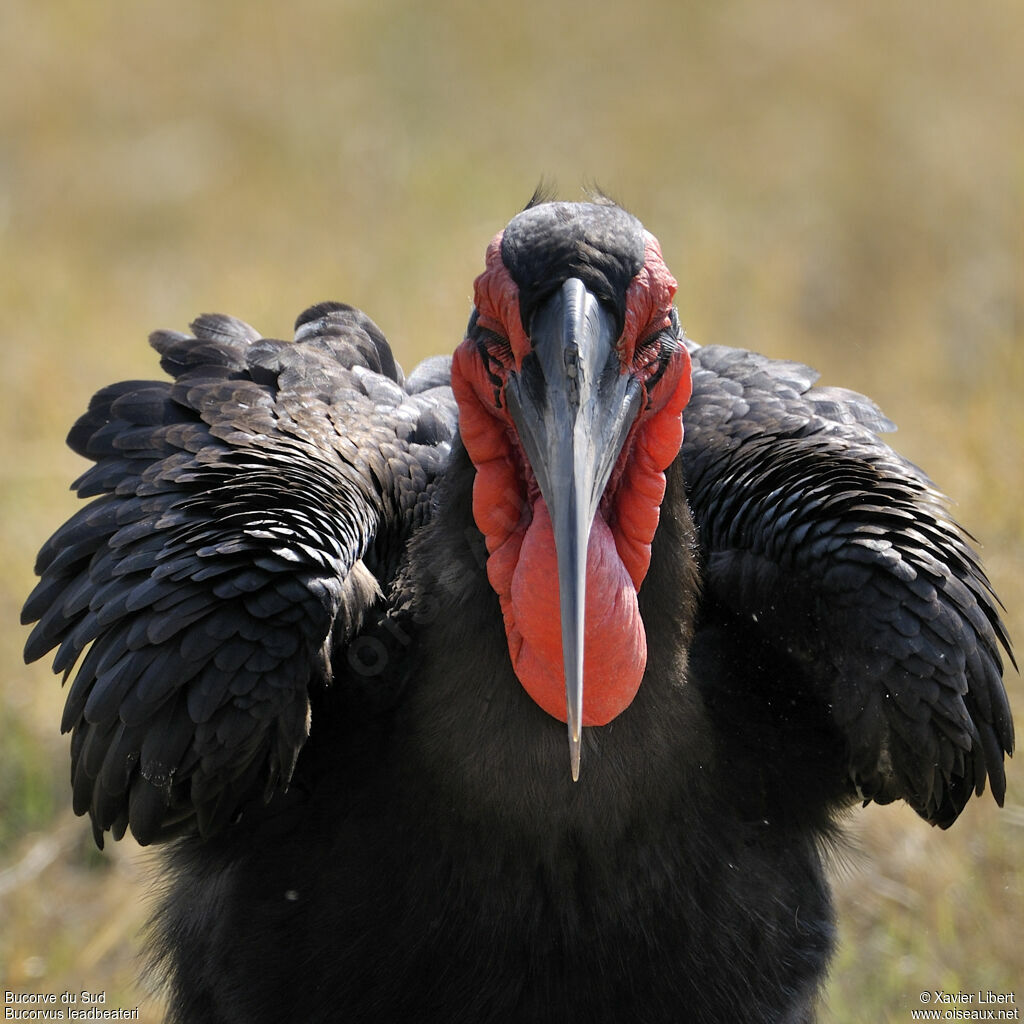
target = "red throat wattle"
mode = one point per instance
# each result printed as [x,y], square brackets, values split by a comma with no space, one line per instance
[514,520]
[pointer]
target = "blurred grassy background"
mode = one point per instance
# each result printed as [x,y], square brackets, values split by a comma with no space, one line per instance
[837,183]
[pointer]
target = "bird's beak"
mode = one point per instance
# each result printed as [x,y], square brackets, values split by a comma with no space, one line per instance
[573,406]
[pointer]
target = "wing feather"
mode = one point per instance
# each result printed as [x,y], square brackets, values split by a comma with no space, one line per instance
[845,558]
[246,517]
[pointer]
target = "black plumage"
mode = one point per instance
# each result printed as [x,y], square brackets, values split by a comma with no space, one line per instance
[291,661]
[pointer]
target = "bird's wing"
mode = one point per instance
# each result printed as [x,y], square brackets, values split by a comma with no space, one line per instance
[246,518]
[845,556]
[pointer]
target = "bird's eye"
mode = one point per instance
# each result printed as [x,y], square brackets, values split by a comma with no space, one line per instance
[495,353]
[649,351]
[496,347]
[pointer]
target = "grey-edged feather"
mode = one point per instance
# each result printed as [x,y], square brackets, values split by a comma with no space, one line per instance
[844,557]
[247,517]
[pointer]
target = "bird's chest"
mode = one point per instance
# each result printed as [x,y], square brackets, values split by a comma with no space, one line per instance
[613,898]
[473,920]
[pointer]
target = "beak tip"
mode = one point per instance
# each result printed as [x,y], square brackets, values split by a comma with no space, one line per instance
[574,756]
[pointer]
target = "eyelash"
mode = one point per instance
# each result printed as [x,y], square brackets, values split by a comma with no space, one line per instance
[649,350]
[495,346]
[496,353]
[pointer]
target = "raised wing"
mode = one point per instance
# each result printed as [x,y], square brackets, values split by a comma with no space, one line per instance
[247,518]
[845,557]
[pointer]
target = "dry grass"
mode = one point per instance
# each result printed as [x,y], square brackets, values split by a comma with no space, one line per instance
[837,183]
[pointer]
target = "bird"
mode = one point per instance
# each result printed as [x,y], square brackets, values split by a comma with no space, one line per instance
[533,685]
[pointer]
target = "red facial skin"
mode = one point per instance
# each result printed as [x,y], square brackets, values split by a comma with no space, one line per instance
[511,514]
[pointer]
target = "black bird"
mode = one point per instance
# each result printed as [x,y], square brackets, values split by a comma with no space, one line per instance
[331,624]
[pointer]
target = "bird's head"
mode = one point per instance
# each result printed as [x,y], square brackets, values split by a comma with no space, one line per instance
[571,383]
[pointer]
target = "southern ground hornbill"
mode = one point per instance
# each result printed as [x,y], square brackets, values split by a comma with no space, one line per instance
[332,623]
